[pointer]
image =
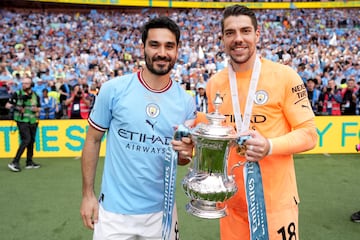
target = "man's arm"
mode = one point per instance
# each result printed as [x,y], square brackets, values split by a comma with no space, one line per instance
[90,156]
[302,138]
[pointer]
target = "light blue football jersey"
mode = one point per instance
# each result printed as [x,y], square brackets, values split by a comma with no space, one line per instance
[140,124]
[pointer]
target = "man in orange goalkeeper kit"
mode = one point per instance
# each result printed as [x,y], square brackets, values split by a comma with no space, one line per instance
[268,102]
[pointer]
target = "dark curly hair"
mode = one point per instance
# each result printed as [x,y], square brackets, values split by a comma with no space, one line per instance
[161,22]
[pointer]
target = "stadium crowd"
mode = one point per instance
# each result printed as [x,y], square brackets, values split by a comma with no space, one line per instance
[60,50]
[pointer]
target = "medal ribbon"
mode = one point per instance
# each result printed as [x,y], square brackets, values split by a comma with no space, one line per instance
[252,175]
[170,167]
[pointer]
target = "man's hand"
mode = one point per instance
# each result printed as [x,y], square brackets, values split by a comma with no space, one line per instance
[257,147]
[89,211]
[184,147]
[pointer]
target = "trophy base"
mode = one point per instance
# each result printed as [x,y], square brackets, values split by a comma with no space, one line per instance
[205,209]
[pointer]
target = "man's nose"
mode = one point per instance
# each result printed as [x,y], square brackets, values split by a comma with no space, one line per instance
[238,36]
[162,51]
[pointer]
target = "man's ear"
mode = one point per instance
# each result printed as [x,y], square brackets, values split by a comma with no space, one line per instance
[178,50]
[142,48]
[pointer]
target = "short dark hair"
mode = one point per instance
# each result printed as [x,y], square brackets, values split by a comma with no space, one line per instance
[237,10]
[161,22]
[314,80]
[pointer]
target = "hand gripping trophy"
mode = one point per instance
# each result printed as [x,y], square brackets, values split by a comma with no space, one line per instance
[207,183]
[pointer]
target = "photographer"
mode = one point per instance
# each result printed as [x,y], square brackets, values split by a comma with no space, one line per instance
[330,99]
[26,106]
[348,106]
[78,104]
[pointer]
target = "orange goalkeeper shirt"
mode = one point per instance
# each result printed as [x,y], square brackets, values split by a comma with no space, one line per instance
[281,113]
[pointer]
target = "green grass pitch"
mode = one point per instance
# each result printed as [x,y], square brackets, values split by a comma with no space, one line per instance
[43,204]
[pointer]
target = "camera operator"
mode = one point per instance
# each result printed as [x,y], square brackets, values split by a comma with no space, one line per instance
[26,106]
[78,104]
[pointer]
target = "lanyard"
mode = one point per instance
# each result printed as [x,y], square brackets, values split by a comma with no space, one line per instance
[242,125]
[252,174]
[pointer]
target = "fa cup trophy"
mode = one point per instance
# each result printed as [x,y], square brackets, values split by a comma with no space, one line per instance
[207,183]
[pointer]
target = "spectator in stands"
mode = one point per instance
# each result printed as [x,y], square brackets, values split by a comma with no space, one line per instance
[4,74]
[83,41]
[313,94]
[71,76]
[47,76]
[348,94]
[201,99]
[65,93]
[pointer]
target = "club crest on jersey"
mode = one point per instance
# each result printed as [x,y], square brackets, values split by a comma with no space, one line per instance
[152,110]
[261,97]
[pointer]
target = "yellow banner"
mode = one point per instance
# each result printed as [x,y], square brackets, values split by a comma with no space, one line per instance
[337,134]
[54,138]
[65,138]
[210,4]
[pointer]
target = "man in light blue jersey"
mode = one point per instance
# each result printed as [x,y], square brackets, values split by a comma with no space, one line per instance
[139,112]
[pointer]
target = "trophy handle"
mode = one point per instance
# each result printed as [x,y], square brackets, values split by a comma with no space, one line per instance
[190,159]
[238,164]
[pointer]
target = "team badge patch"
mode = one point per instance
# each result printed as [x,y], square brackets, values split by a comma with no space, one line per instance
[152,110]
[261,97]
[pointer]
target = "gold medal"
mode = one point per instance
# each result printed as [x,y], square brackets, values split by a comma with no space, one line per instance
[241,149]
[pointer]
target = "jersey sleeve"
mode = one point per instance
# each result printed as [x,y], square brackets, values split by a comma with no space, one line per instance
[299,115]
[297,107]
[191,114]
[101,113]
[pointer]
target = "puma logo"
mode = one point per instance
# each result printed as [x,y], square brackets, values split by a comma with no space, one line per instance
[304,106]
[152,125]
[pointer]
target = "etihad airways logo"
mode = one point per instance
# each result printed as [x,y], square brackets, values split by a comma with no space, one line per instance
[143,137]
[142,142]
[256,118]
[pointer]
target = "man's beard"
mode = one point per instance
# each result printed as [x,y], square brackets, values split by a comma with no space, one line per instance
[238,61]
[158,71]
[245,58]
[28,89]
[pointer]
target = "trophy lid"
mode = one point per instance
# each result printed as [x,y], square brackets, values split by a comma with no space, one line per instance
[216,127]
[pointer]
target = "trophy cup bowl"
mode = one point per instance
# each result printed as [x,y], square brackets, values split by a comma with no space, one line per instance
[207,183]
